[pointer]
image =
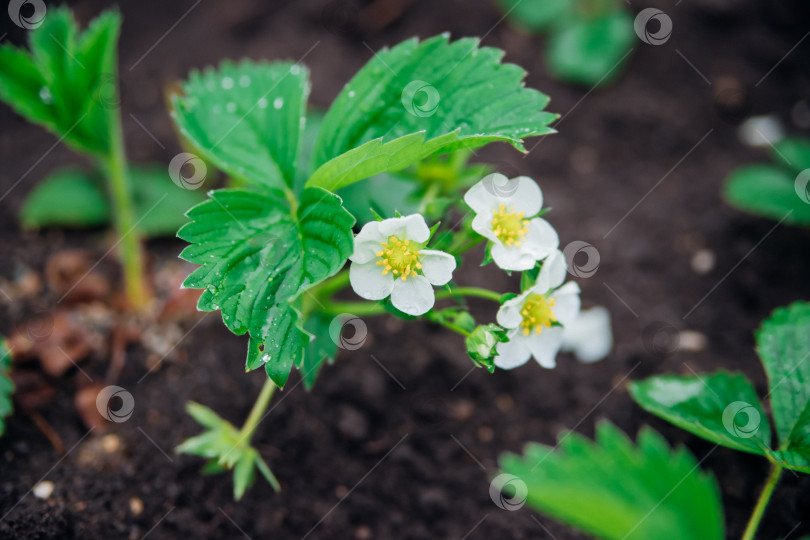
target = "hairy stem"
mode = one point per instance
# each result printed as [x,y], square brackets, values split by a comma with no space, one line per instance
[355,308]
[762,502]
[470,291]
[257,411]
[124,215]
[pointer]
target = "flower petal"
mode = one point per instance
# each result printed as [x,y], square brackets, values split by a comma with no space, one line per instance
[513,353]
[566,303]
[512,257]
[525,195]
[369,282]
[367,242]
[541,240]
[589,336]
[413,296]
[437,266]
[552,274]
[509,313]
[482,224]
[483,197]
[411,227]
[521,193]
[545,346]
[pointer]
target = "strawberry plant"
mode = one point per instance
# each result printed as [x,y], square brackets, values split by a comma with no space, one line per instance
[272,248]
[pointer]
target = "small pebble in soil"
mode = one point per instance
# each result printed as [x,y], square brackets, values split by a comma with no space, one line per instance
[136,506]
[362,533]
[703,261]
[341,491]
[691,340]
[463,409]
[505,403]
[43,489]
[485,434]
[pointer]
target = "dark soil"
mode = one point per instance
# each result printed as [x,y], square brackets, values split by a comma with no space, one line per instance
[407,450]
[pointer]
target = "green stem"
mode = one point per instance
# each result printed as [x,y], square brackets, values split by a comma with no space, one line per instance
[257,411]
[376,308]
[430,316]
[470,291]
[355,308]
[124,215]
[762,502]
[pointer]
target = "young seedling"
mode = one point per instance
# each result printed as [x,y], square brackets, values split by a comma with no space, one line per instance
[779,190]
[616,492]
[272,251]
[724,408]
[587,40]
[68,84]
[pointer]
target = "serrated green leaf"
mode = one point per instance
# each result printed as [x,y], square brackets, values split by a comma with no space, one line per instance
[783,345]
[256,258]
[67,197]
[6,385]
[246,118]
[423,98]
[615,490]
[721,407]
[68,82]
[769,191]
[589,51]
[319,350]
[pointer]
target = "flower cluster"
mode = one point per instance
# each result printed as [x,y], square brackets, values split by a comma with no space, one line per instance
[390,259]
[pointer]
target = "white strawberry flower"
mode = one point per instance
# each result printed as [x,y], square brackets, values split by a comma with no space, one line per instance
[504,215]
[389,259]
[536,319]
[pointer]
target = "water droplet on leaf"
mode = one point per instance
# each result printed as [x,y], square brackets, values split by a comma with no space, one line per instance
[45,95]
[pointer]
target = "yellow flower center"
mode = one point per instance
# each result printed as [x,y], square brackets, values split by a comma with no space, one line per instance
[399,257]
[537,314]
[509,226]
